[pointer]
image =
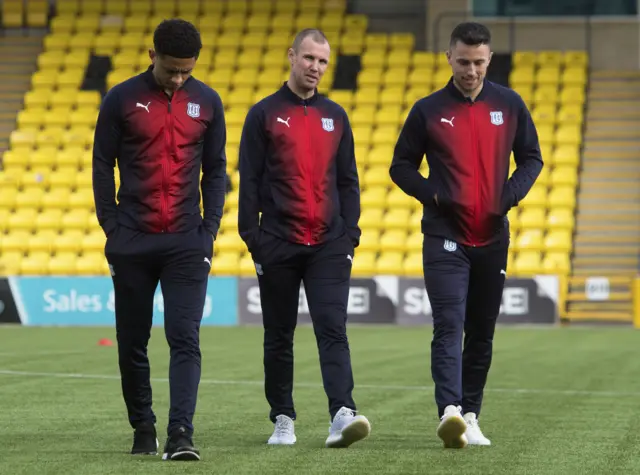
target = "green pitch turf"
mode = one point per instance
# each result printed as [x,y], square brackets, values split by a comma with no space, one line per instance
[559,401]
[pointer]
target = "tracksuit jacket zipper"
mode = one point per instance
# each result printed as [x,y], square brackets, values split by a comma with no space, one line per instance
[166,164]
[310,195]
[474,142]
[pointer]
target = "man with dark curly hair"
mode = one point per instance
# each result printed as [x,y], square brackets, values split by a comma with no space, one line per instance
[163,127]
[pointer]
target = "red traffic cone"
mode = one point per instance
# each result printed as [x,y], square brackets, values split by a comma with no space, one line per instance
[105,342]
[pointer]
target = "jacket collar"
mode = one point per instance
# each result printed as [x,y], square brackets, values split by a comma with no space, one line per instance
[293,97]
[455,92]
[187,88]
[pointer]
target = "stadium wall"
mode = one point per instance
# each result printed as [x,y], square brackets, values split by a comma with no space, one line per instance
[613,42]
[89,301]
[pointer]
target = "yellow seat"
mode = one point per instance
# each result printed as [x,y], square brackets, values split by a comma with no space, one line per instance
[371,77]
[81,199]
[369,241]
[49,219]
[537,197]
[560,218]
[69,241]
[371,218]
[562,197]
[568,154]
[367,95]
[514,219]
[230,243]
[574,95]
[522,75]
[524,58]
[558,241]
[363,116]
[393,240]
[388,116]
[226,264]
[571,115]
[63,178]
[574,76]
[564,175]
[549,58]
[42,241]
[412,265]
[529,240]
[385,135]
[397,219]
[35,264]
[30,198]
[568,135]
[246,266]
[575,58]
[62,264]
[93,242]
[544,114]
[532,218]
[376,176]
[548,76]
[527,263]
[10,262]
[398,199]
[90,264]
[556,263]
[364,264]
[17,240]
[77,219]
[390,263]
[373,197]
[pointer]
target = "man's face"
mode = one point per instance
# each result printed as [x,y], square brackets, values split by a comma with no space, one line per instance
[171,73]
[469,65]
[309,63]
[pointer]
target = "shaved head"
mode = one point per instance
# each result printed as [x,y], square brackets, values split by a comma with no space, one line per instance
[316,35]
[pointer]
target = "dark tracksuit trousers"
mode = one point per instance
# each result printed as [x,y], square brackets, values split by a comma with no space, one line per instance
[177,261]
[325,271]
[464,285]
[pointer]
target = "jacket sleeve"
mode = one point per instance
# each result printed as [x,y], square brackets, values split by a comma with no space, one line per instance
[214,169]
[528,158]
[408,154]
[106,145]
[348,183]
[251,163]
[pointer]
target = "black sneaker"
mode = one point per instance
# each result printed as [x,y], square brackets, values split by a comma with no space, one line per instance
[145,440]
[180,447]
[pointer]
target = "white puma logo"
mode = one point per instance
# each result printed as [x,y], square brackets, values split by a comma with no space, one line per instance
[350,258]
[143,106]
[285,122]
[208,262]
[450,122]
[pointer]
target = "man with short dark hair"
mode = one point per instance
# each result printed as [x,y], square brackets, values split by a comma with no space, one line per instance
[163,127]
[297,168]
[467,130]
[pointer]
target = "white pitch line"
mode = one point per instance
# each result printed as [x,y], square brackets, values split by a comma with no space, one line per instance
[22,354]
[379,387]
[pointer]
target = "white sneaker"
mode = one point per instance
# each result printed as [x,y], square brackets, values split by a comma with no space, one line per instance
[283,432]
[474,434]
[347,428]
[452,428]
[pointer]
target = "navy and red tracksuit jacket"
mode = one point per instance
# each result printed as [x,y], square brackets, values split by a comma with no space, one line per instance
[297,167]
[161,144]
[468,146]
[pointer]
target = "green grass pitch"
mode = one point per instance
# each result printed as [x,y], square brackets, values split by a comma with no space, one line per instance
[559,401]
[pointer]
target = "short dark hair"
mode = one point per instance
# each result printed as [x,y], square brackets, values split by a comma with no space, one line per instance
[315,34]
[471,33]
[177,38]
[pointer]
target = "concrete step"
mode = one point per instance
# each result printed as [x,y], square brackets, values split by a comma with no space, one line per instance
[610,145]
[617,74]
[615,94]
[612,134]
[595,250]
[628,154]
[591,226]
[616,164]
[601,239]
[605,262]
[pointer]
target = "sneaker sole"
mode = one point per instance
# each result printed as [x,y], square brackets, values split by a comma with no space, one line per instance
[359,429]
[182,456]
[281,443]
[155,452]
[451,431]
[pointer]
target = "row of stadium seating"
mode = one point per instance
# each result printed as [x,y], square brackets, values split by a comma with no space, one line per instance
[47,220]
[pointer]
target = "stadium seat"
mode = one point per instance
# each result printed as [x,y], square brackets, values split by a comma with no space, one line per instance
[390,263]
[364,264]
